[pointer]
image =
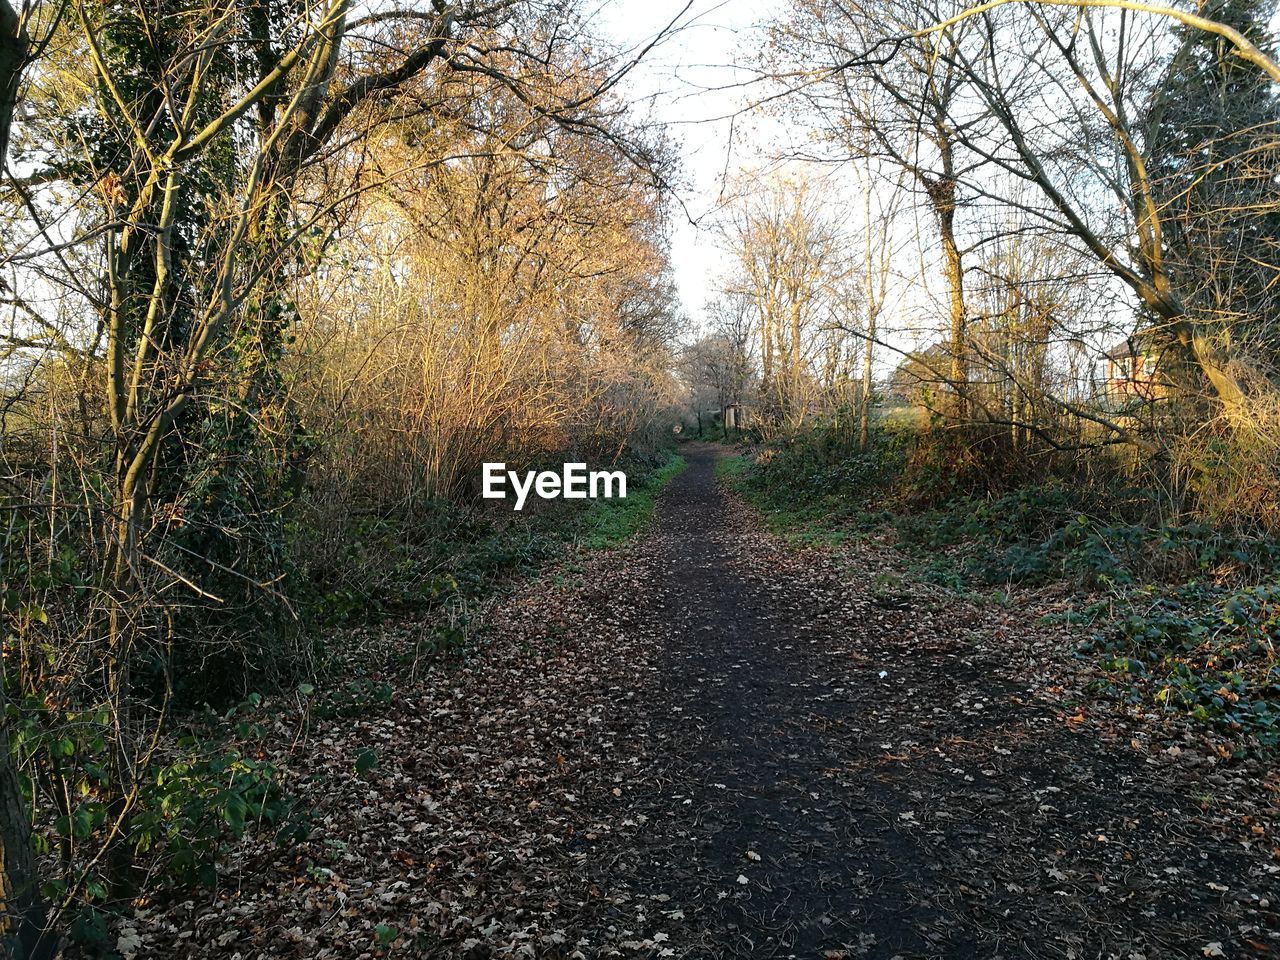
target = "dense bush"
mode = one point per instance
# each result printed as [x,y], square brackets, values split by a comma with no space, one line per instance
[455,551]
[190,799]
[817,483]
[1041,534]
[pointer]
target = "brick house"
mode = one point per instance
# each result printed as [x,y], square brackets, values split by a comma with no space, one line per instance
[1132,371]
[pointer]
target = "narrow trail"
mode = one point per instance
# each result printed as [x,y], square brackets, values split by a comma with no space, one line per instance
[773,721]
[709,745]
[855,775]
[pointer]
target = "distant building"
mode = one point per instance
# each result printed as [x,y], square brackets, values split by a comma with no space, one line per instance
[736,417]
[1132,371]
[918,377]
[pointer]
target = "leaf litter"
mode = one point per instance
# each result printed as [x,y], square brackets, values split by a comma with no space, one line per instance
[709,743]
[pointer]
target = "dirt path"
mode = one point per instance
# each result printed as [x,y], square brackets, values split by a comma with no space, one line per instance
[886,785]
[709,745]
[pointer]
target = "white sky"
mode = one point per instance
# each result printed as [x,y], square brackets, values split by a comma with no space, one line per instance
[687,83]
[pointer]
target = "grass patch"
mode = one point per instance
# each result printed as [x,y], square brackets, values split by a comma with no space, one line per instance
[809,502]
[610,522]
[1202,649]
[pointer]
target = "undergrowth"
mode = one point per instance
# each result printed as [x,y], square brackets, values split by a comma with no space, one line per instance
[451,554]
[207,784]
[609,522]
[1185,615]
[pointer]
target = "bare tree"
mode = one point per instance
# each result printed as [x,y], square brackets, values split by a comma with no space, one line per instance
[184,174]
[23,916]
[880,207]
[903,108]
[1098,75]
[792,267]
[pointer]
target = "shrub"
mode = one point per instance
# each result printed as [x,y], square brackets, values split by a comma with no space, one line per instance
[189,803]
[1207,650]
[1198,631]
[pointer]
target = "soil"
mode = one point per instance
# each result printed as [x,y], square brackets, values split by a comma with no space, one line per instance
[712,744]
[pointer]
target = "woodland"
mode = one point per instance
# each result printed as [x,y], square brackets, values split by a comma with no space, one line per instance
[939,618]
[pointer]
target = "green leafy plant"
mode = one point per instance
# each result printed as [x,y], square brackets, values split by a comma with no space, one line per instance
[366,760]
[190,802]
[1206,650]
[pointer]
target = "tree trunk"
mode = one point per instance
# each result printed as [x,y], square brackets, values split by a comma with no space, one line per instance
[22,923]
[864,401]
[954,272]
[14,44]
[942,194]
[794,401]
[22,910]
[873,311]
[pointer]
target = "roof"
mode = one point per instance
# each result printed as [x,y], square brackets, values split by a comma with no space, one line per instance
[1129,347]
